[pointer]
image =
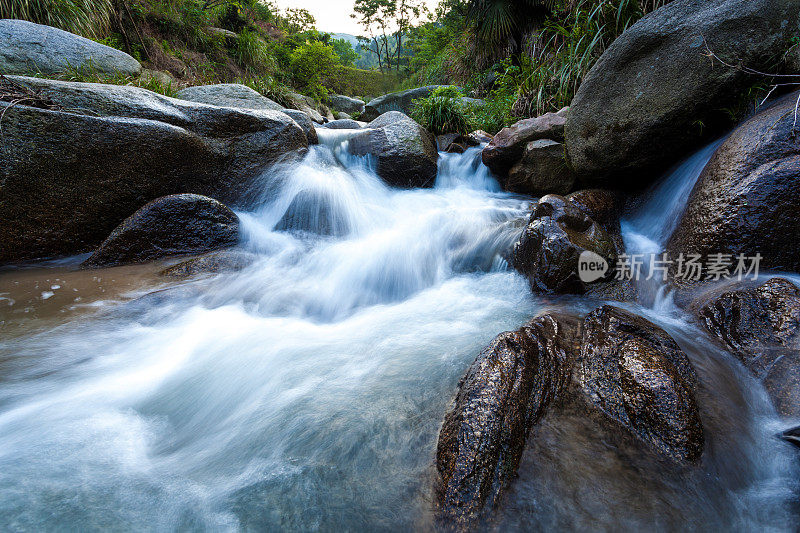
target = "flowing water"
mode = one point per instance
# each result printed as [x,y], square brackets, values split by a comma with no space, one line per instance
[306,391]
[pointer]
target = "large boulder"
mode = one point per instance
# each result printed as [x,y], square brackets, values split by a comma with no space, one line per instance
[346,104]
[760,324]
[542,170]
[404,152]
[638,376]
[558,234]
[504,393]
[507,147]
[72,172]
[636,111]
[28,48]
[304,121]
[746,201]
[173,225]
[402,101]
[228,95]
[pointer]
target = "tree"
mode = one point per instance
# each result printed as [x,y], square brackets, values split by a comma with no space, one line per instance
[406,12]
[343,49]
[298,20]
[310,63]
[376,17]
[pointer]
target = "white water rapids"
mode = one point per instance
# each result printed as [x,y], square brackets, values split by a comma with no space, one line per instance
[306,391]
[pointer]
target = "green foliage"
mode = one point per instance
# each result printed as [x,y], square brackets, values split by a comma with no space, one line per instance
[310,63]
[442,112]
[343,49]
[351,81]
[91,75]
[253,54]
[89,18]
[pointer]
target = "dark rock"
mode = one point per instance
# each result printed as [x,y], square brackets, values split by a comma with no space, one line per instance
[305,123]
[444,141]
[792,436]
[637,375]
[172,225]
[541,170]
[604,207]
[636,110]
[507,147]
[343,124]
[504,393]
[402,101]
[405,152]
[746,201]
[481,137]
[231,260]
[69,179]
[548,250]
[345,104]
[456,148]
[28,48]
[228,95]
[761,326]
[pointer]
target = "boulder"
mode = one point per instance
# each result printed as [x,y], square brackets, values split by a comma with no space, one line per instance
[217,262]
[636,111]
[745,201]
[541,170]
[304,121]
[760,324]
[343,116]
[71,173]
[507,147]
[603,206]
[636,374]
[343,124]
[504,393]
[402,101]
[345,104]
[172,225]
[28,48]
[228,95]
[404,152]
[552,243]
[164,78]
[223,33]
[306,104]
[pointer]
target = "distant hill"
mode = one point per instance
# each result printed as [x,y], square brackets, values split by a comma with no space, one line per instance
[347,37]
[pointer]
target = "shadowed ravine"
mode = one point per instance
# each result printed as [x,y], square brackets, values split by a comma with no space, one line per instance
[306,391]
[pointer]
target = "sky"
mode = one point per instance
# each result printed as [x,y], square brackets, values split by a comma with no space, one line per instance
[333,16]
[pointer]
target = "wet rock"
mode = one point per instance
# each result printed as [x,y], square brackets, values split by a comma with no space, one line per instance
[405,152]
[760,324]
[228,95]
[28,48]
[305,123]
[504,393]
[481,137]
[541,170]
[217,262]
[638,376]
[172,225]
[346,104]
[343,124]
[636,110]
[745,201]
[402,101]
[507,147]
[605,207]
[69,179]
[792,436]
[551,244]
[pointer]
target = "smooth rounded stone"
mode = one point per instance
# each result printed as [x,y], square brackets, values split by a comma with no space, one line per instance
[542,170]
[504,393]
[507,147]
[346,104]
[28,48]
[343,124]
[605,207]
[637,110]
[69,179]
[304,121]
[638,376]
[746,201]
[552,243]
[218,262]
[228,95]
[344,116]
[307,105]
[222,32]
[760,324]
[402,101]
[404,152]
[172,225]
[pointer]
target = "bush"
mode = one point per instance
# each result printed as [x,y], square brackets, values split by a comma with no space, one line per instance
[352,81]
[310,63]
[252,54]
[89,18]
[442,112]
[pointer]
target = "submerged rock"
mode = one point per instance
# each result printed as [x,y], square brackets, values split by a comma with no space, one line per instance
[635,111]
[231,260]
[505,391]
[68,179]
[746,201]
[28,48]
[404,152]
[507,147]
[228,95]
[542,170]
[172,225]
[761,326]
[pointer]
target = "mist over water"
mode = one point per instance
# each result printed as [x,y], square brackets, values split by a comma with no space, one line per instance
[306,392]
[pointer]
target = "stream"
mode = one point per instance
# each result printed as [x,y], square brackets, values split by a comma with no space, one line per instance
[306,391]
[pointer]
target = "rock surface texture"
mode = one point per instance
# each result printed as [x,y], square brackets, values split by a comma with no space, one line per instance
[228,95]
[542,169]
[635,112]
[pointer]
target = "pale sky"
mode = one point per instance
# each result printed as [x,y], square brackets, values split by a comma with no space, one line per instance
[333,16]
